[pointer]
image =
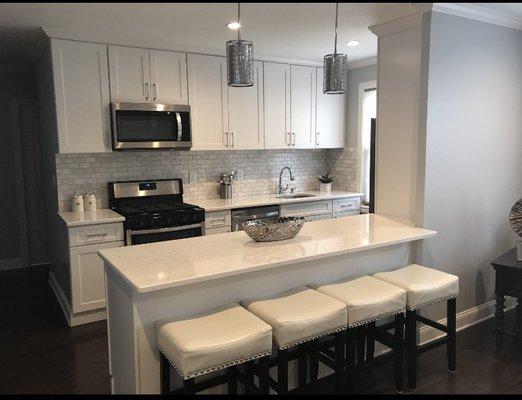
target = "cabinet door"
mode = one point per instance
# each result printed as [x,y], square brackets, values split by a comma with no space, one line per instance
[330,117]
[130,74]
[88,276]
[81,86]
[277,105]
[208,101]
[302,109]
[168,75]
[245,113]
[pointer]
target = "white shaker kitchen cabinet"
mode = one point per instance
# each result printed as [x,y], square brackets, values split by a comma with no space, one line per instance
[88,276]
[81,93]
[129,70]
[276,82]
[245,114]
[168,77]
[330,117]
[302,106]
[208,102]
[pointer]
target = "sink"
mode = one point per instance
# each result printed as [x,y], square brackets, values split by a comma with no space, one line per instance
[294,196]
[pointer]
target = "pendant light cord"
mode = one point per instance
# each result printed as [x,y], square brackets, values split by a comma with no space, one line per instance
[239,21]
[336,18]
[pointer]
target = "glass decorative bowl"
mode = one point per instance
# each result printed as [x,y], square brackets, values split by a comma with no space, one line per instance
[273,229]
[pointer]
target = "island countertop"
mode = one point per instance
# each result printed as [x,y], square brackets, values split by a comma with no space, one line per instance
[167,264]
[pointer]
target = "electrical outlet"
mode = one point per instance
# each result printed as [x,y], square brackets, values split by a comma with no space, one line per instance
[193,177]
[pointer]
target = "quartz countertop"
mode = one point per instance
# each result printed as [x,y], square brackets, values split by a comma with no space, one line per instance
[176,263]
[267,199]
[101,216]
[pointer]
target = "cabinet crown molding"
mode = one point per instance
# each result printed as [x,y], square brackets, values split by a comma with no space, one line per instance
[398,25]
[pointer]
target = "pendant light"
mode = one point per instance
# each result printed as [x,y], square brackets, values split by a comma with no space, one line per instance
[240,59]
[335,73]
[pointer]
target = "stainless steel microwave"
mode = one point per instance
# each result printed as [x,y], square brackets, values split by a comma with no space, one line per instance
[150,126]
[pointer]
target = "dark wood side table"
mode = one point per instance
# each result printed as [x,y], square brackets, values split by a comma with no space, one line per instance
[508,282]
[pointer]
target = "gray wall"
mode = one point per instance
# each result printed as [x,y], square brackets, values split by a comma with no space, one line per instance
[473,149]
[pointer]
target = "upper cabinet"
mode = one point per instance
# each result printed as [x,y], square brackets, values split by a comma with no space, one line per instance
[208,102]
[289,106]
[147,76]
[302,106]
[168,75]
[81,93]
[224,117]
[245,113]
[330,117]
[277,106]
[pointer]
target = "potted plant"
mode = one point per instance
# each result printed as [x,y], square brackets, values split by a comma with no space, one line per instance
[325,182]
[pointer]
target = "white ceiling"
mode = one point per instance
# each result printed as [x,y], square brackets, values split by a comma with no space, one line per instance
[290,31]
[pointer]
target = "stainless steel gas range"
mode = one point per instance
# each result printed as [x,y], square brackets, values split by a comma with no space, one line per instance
[154,211]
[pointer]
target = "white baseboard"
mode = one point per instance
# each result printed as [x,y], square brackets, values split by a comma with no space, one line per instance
[465,319]
[73,319]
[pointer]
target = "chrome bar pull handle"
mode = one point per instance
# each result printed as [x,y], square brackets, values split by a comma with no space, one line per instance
[147,91]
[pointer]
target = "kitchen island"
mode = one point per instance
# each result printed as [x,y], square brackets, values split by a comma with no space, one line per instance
[176,279]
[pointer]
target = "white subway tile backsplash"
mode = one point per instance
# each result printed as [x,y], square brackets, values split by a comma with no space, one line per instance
[84,173]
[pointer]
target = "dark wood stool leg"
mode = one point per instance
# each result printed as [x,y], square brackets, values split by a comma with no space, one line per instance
[370,341]
[302,365]
[350,355]
[264,375]
[314,359]
[282,371]
[411,344]
[499,315]
[339,361]
[399,352]
[188,386]
[452,333]
[164,374]
[361,344]
[232,380]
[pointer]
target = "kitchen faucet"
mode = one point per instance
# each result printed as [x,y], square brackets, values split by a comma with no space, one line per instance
[280,189]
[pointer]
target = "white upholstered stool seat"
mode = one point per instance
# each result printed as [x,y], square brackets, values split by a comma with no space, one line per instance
[299,315]
[423,285]
[204,343]
[367,299]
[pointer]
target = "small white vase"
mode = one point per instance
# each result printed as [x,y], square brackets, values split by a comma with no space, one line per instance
[325,187]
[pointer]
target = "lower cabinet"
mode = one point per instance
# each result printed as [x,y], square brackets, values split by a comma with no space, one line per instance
[218,222]
[88,276]
[322,209]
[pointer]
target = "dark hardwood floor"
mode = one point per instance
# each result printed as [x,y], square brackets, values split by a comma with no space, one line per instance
[41,354]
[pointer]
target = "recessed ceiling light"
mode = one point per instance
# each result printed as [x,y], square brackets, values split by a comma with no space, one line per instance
[234,26]
[352,43]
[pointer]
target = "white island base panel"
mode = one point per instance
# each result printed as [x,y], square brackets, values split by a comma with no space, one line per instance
[132,314]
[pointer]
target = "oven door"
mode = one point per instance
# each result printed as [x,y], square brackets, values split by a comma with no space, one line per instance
[150,126]
[161,234]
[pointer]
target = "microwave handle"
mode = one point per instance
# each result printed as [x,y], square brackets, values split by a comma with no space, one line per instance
[180,126]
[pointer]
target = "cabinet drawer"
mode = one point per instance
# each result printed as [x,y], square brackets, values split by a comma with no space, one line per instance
[318,217]
[347,204]
[91,234]
[217,219]
[346,214]
[214,231]
[306,209]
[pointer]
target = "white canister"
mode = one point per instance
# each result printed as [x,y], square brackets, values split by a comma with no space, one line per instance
[90,202]
[77,203]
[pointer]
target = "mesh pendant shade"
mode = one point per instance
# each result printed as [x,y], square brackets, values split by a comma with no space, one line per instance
[240,63]
[335,73]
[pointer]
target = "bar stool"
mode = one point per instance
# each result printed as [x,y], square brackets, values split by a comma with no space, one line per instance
[368,300]
[214,341]
[298,317]
[425,286]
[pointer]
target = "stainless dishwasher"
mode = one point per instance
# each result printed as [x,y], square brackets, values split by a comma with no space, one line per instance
[241,215]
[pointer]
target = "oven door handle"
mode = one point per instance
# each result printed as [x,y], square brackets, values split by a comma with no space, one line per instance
[163,230]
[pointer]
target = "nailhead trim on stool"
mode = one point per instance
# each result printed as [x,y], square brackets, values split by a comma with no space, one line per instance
[377,318]
[310,338]
[433,302]
[217,367]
